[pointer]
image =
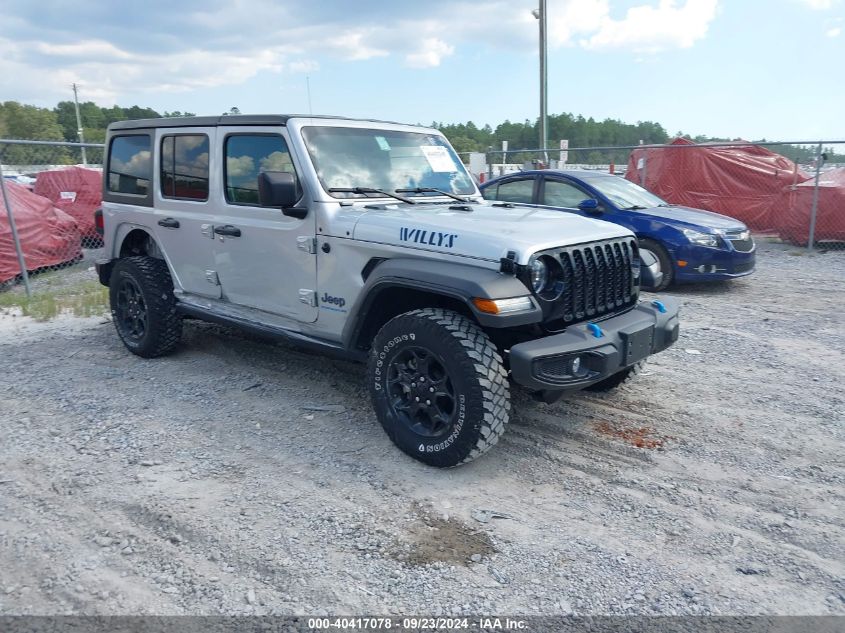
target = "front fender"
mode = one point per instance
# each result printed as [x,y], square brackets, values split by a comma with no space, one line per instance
[448,279]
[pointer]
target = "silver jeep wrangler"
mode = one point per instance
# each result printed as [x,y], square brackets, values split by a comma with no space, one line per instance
[370,240]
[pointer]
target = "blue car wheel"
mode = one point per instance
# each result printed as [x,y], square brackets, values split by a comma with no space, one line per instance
[663,259]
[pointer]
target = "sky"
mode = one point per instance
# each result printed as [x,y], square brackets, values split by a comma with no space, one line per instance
[730,68]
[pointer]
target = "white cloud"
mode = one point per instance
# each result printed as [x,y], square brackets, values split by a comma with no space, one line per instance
[238,167]
[569,20]
[836,31]
[82,49]
[819,5]
[217,44]
[138,165]
[355,46]
[651,29]
[303,66]
[104,77]
[431,52]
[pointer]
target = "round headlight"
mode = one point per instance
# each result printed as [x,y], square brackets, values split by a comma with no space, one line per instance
[539,274]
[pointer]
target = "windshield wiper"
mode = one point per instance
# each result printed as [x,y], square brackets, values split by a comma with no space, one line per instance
[433,190]
[634,207]
[366,190]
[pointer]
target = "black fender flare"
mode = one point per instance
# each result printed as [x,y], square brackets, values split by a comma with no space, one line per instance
[461,282]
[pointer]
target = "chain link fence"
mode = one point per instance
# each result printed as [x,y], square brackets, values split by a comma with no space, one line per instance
[794,192]
[791,191]
[49,192]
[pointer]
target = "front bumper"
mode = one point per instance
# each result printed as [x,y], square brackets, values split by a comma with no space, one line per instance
[602,348]
[710,264]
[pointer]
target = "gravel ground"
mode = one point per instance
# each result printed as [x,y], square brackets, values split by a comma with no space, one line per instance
[241,477]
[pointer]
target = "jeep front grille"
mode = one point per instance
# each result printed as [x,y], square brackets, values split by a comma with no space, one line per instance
[598,279]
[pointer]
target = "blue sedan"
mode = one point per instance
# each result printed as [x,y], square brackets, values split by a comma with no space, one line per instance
[689,244]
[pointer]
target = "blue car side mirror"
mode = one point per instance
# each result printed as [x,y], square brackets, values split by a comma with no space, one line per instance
[590,204]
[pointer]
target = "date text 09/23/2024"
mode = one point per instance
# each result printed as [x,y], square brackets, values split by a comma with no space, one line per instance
[418,623]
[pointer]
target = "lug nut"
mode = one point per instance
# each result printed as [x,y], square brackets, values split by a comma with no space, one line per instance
[417,398]
[431,389]
[428,402]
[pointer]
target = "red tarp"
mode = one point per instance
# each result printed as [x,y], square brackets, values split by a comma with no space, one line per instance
[795,204]
[741,182]
[48,235]
[77,191]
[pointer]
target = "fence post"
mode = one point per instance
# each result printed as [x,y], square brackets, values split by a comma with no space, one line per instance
[645,165]
[815,206]
[14,229]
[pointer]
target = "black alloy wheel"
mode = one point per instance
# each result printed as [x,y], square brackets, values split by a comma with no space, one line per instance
[131,310]
[421,392]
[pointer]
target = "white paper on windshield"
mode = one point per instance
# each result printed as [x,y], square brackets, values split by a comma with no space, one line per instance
[68,195]
[382,143]
[438,158]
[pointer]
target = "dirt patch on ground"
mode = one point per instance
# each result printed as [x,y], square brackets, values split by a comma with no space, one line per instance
[439,539]
[639,436]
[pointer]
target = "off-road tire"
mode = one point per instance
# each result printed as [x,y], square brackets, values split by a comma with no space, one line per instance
[478,379]
[663,258]
[152,279]
[618,379]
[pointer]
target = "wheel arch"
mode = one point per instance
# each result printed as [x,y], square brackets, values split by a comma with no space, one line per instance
[131,240]
[134,240]
[396,286]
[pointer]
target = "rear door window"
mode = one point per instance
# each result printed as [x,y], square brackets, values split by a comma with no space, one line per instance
[184,166]
[520,191]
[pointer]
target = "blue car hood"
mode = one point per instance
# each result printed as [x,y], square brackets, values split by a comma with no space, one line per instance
[694,217]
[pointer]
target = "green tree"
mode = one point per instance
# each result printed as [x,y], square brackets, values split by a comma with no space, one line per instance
[31,123]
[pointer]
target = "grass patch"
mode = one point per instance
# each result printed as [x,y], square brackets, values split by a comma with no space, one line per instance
[84,298]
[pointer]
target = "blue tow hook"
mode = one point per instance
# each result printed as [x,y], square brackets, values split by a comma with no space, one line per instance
[595,329]
[659,305]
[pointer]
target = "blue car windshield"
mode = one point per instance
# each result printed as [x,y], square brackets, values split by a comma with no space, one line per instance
[624,194]
[347,157]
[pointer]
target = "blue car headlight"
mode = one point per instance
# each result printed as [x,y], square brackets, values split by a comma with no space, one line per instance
[702,239]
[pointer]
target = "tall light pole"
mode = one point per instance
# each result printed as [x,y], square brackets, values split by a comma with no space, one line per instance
[540,13]
[79,126]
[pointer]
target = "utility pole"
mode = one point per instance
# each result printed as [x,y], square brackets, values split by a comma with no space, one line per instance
[541,14]
[79,126]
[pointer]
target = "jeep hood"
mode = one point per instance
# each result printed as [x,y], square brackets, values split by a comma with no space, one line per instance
[480,230]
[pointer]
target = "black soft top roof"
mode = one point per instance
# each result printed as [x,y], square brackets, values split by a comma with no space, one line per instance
[226,119]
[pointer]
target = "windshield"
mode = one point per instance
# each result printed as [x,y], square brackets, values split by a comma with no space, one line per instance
[384,159]
[625,194]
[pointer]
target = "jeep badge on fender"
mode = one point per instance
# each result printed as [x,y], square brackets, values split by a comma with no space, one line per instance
[371,240]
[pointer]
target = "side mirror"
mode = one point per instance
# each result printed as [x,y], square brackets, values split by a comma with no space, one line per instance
[278,189]
[590,205]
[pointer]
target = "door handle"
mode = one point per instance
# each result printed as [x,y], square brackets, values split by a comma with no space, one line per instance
[169,223]
[228,230]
